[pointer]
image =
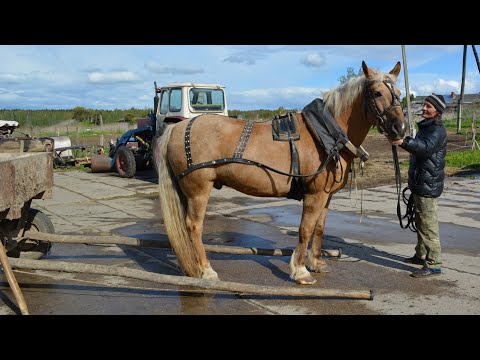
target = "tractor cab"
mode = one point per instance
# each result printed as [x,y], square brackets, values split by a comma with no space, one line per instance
[182,101]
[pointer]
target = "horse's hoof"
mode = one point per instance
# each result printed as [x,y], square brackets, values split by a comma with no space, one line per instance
[306,280]
[301,275]
[320,269]
[210,274]
[317,265]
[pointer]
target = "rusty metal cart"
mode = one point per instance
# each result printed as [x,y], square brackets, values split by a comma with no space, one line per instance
[26,173]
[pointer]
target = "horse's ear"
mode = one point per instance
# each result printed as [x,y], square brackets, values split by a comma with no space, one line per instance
[396,69]
[369,73]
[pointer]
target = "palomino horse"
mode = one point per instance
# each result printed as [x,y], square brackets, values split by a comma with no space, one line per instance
[357,105]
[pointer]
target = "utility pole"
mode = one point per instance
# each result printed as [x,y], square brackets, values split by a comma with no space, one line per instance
[460,101]
[476,57]
[407,93]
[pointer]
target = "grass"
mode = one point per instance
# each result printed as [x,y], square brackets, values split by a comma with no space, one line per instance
[456,161]
[464,160]
[85,133]
[451,125]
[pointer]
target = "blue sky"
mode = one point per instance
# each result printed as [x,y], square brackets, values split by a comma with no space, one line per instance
[256,76]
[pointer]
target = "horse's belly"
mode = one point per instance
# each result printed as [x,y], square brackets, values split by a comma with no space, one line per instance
[252,180]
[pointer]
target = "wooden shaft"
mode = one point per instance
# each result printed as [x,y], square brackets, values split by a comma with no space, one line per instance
[124,240]
[189,281]
[17,292]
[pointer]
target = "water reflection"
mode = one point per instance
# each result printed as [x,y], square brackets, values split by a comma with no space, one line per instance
[469,174]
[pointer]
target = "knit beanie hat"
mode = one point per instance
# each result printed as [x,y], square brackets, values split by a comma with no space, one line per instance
[437,101]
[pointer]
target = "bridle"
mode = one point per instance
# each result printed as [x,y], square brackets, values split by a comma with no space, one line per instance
[379,116]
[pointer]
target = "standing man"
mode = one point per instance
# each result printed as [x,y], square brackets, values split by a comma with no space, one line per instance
[425,180]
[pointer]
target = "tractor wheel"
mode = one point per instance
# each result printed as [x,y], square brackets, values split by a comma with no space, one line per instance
[125,162]
[37,221]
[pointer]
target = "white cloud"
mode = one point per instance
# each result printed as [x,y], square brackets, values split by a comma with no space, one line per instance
[313,60]
[7,91]
[448,85]
[279,92]
[9,97]
[104,104]
[111,77]
[11,78]
[163,69]
[250,54]
[289,97]
[439,86]
[239,59]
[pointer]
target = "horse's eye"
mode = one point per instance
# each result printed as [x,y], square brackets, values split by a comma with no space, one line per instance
[377,93]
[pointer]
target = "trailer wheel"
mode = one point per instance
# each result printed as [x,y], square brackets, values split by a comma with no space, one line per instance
[37,221]
[125,162]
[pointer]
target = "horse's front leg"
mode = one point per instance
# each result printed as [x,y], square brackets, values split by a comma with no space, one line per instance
[315,261]
[312,206]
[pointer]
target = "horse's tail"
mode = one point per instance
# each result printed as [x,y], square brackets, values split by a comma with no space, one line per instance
[173,205]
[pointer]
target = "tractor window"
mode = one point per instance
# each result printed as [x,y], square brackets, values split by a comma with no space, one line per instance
[175,100]
[164,102]
[206,99]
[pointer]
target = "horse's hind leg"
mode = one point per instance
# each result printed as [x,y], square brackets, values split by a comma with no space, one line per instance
[312,206]
[315,261]
[196,208]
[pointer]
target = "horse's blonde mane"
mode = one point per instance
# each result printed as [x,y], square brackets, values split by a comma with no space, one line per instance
[339,99]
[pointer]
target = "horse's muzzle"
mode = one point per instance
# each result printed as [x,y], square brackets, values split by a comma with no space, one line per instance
[396,128]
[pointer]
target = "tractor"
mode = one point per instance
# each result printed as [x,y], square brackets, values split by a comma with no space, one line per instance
[172,103]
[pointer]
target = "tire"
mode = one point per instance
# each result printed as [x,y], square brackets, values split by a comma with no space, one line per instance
[37,221]
[125,162]
[142,160]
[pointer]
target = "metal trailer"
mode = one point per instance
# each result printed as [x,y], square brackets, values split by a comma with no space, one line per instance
[26,173]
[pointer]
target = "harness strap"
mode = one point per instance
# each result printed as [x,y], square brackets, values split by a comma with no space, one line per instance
[297,189]
[187,142]
[250,162]
[242,143]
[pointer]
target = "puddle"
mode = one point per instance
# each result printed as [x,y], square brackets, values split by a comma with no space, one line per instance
[469,174]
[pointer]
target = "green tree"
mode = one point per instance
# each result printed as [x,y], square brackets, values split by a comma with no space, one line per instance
[350,74]
[80,113]
[404,100]
[129,117]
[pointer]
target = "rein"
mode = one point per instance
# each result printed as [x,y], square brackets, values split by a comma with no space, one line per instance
[410,214]
[380,123]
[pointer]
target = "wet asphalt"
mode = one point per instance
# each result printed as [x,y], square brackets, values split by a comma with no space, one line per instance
[362,224]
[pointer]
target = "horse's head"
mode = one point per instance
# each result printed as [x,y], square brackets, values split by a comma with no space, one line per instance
[382,101]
